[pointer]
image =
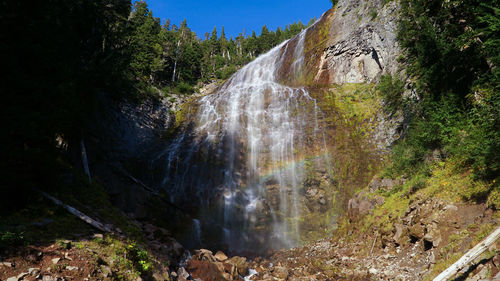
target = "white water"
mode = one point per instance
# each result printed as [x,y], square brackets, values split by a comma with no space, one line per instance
[197,231]
[242,151]
[251,273]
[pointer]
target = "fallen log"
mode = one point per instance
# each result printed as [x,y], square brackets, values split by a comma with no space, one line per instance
[77,213]
[470,256]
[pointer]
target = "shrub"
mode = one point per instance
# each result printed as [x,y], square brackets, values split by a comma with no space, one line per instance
[9,239]
[140,257]
[184,88]
[225,72]
[391,90]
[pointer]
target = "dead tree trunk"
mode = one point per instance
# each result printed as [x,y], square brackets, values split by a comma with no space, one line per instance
[470,256]
[77,213]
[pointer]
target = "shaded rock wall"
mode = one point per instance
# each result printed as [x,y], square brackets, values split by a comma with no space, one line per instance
[121,138]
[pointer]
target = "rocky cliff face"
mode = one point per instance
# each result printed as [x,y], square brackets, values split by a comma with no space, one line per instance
[121,139]
[277,151]
[335,61]
[361,42]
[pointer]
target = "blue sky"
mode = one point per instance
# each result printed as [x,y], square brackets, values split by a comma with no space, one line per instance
[236,15]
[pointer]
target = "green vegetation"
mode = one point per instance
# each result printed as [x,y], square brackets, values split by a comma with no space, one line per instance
[449,151]
[9,239]
[141,258]
[452,57]
[391,90]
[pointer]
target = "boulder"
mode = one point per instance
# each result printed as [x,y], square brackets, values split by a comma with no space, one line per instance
[182,274]
[33,271]
[204,254]
[240,263]
[205,270]
[364,207]
[7,264]
[21,275]
[417,231]
[280,272]
[220,256]
[398,233]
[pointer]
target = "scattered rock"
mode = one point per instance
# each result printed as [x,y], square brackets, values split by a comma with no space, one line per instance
[182,274]
[98,236]
[11,279]
[22,275]
[220,256]
[71,268]
[67,244]
[496,260]
[482,274]
[48,278]
[106,271]
[55,260]
[7,264]
[373,271]
[280,272]
[33,271]
[240,263]
[398,233]
[450,207]
[206,270]
[417,231]
[66,256]
[204,254]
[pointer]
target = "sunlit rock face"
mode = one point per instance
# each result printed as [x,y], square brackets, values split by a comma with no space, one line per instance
[264,162]
[362,42]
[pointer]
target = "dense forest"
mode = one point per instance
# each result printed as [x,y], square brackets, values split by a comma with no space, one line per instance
[451,54]
[67,52]
[170,55]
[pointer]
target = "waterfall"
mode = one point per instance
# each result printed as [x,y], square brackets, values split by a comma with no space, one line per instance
[242,154]
[197,231]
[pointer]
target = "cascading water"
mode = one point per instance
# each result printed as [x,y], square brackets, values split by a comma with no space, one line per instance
[241,156]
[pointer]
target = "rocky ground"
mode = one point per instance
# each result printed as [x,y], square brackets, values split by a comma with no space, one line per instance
[430,235]
[414,238]
[95,257]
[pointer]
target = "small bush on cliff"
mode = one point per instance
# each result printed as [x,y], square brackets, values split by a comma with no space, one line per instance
[391,90]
